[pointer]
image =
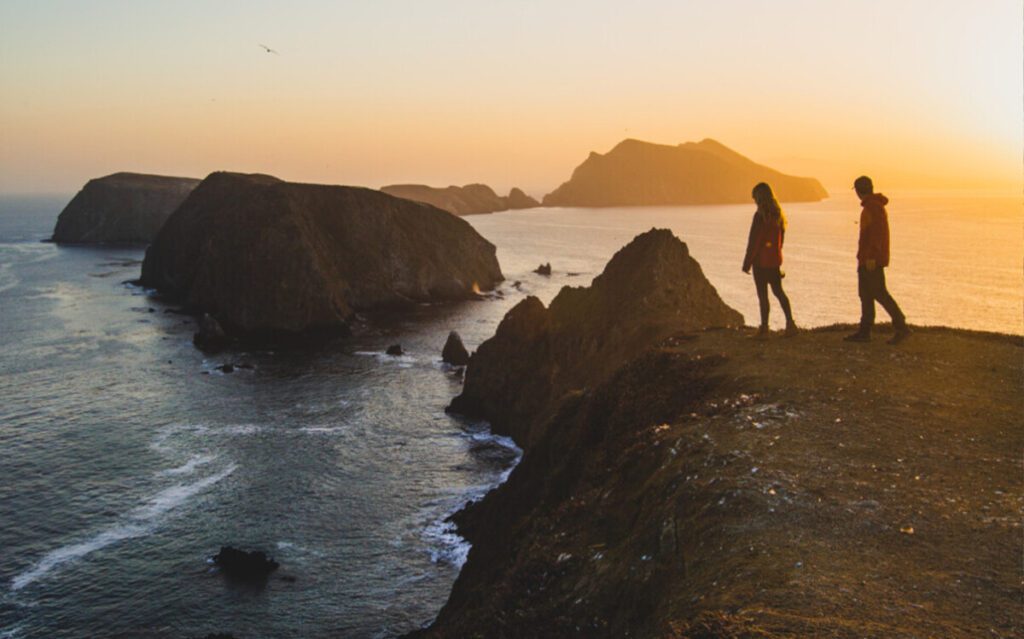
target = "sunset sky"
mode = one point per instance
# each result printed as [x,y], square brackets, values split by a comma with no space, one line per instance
[917,93]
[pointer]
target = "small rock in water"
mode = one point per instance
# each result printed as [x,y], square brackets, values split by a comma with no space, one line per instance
[454,351]
[543,269]
[211,337]
[244,566]
[226,368]
[394,349]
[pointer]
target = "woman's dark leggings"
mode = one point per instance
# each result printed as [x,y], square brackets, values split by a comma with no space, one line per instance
[763,277]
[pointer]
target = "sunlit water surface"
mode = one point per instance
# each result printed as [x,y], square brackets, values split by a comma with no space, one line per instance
[128,459]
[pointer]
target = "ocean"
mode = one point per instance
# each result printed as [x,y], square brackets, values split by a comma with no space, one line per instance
[128,458]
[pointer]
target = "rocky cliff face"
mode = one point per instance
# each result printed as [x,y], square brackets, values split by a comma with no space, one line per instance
[702,485]
[260,254]
[637,173]
[123,208]
[463,200]
[650,289]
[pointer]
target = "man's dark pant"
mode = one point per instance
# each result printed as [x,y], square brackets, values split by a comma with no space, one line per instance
[871,286]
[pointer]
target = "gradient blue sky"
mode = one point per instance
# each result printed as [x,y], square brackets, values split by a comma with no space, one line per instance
[917,93]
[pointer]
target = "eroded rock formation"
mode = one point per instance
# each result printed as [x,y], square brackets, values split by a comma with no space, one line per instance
[470,199]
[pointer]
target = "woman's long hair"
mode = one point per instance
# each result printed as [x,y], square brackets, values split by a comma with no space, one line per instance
[767,206]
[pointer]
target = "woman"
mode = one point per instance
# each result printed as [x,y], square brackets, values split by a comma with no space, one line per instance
[764,254]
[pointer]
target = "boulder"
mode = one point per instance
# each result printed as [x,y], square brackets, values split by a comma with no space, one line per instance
[394,350]
[454,351]
[244,566]
[651,288]
[211,337]
[543,269]
[268,256]
[636,173]
[123,208]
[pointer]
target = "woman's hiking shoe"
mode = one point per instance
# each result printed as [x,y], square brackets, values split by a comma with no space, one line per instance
[900,335]
[791,329]
[857,337]
[762,333]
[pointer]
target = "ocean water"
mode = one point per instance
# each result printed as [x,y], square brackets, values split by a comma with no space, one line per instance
[128,459]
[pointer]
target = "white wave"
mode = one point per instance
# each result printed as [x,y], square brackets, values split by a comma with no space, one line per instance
[323,430]
[448,546]
[139,522]
[8,280]
[402,361]
[195,461]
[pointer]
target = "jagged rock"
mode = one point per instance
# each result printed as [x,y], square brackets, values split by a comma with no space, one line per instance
[517,199]
[454,351]
[211,337]
[636,173]
[123,208]
[543,269]
[266,256]
[650,289]
[394,349]
[244,566]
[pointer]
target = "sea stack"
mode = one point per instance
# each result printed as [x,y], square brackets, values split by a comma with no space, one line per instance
[123,208]
[637,173]
[650,289]
[263,255]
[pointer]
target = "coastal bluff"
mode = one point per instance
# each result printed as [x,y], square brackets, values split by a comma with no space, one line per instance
[471,199]
[122,208]
[262,255]
[699,484]
[637,173]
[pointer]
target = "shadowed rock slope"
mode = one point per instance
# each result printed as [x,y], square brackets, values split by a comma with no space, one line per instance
[637,173]
[264,255]
[704,485]
[123,208]
[463,200]
[650,289]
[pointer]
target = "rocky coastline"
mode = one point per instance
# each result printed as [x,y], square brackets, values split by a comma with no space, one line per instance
[696,483]
[471,199]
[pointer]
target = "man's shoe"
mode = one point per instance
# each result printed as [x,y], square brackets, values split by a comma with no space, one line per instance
[857,337]
[900,335]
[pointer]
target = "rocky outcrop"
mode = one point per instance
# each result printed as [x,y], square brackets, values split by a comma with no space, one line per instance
[470,199]
[240,565]
[454,351]
[517,199]
[637,173]
[263,255]
[123,208]
[650,289]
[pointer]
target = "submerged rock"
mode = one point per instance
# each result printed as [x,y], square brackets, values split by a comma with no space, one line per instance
[264,255]
[454,351]
[637,173]
[244,566]
[123,208]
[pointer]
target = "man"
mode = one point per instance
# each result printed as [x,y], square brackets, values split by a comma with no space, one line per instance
[872,258]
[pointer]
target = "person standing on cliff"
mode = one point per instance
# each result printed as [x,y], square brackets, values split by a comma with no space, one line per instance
[764,255]
[872,259]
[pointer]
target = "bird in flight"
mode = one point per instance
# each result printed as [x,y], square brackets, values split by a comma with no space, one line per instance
[269,50]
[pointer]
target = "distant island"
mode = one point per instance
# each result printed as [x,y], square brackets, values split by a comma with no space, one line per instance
[262,255]
[123,208]
[470,199]
[637,173]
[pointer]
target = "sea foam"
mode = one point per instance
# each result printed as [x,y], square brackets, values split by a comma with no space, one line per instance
[139,522]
